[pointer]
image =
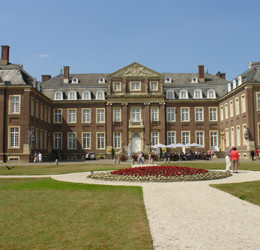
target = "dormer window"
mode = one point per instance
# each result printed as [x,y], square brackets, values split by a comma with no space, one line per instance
[183,94]
[170,94]
[167,80]
[72,95]
[194,80]
[234,84]
[197,94]
[86,95]
[75,80]
[211,93]
[135,86]
[58,95]
[101,80]
[154,85]
[117,86]
[240,80]
[100,95]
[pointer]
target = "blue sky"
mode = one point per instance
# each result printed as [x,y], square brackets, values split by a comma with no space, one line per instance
[102,36]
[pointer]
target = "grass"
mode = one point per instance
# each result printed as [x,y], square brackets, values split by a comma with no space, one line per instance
[249,191]
[38,169]
[48,214]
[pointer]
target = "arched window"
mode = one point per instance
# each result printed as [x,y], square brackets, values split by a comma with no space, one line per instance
[197,94]
[100,95]
[211,93]
[170,94]
[184,94]
[86,95]
[72,95]
[58,95]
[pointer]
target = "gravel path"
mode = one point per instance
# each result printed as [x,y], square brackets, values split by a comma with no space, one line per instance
[193,215]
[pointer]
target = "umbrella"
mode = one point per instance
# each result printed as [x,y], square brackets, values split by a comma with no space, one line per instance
[196,145]
[159,145]
[179,145]
[173,145]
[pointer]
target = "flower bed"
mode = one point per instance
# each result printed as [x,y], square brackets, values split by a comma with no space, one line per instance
[160,174]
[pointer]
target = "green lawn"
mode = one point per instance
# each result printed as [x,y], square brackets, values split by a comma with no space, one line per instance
[38,169]
[48,214]
[249,191]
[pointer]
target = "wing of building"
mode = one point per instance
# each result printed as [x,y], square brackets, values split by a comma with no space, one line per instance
[69,115]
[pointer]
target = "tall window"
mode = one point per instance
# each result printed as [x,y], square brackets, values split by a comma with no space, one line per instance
[243,104]
[41,112]
[200,138]
[117,86]
[227,137]
[100,141]
[171,114]
[86,115]
[136,115]
[37,109]
[199,114]
[238,136]
[213,114]
[213,139]
[14,104]
[237,106]
[71,141]
[232,137]
[245,131]
[155,138]
[221,113]
[14,135]
[185,114]
[258,101]
[117,115]
[231,109]
[72,116]
[154,85]
[154,113]
[171,138]
[100,115]
[41,139]
[226,111]
[86,140]
[57,116]
[185,137]
[45,114]
[32,106]
[117,140]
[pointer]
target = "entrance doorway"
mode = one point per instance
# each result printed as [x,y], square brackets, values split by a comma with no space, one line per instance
[136,143]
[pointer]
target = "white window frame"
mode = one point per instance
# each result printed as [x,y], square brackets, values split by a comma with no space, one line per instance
[231,108]
[154,85]
[211,94]
[86,115]
[117,114]
[232,136]
[171,137]
[215,138]
[197,94]
[116,86]
[72,116]
[226,111]
[237,106]
[72,141]
[155,137]
[221,113]
[258,100]
[185,116]
[86,140]
[100,95]
[171,114]
[136,114]
[238,136]
[100,115]
[198,135]
[227,137]
[72,95]
[58,95]
[210,114]
[201,114]
[117,140]
[57,118]
[15,104]
[185,137]
[184,94]
[170,95]
[86,95]
[135,85]
[154,114]
[100,141]
[14,137]
[243,103]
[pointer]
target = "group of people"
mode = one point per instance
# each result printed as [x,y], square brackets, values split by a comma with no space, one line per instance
[232,158]
[37,157]
[140,157]
[253,154]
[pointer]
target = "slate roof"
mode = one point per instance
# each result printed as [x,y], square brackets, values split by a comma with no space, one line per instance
[252,74]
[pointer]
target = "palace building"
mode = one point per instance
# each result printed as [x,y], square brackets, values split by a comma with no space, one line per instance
[68,115]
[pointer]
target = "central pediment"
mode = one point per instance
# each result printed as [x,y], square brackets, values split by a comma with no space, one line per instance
[135,70]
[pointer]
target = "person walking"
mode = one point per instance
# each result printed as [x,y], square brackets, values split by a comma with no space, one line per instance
[40,157]
[228,163]
[256,153]
[234,157]
[252,155]
[35,156]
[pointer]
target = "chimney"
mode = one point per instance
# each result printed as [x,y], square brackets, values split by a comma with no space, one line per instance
[201,73]
[46,78]
[66,74]
[221,75]
[5,55]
